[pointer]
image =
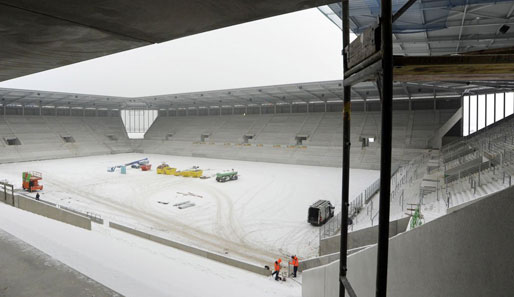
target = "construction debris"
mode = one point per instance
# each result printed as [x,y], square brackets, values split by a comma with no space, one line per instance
[186,205]
[185,202]
[190,194]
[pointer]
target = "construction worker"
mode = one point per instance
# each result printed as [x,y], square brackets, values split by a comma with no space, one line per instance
[295,264]
[277,269]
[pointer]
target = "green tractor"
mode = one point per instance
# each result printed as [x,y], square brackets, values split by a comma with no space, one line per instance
[226,176]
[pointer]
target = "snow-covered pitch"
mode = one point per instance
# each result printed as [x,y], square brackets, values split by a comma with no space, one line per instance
[258,218]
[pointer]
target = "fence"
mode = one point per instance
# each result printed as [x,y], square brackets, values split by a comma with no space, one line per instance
[92,216]
[333,226]
[401,175]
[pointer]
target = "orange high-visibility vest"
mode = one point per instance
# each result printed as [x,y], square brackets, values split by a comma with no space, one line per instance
[277,267]
[294,262]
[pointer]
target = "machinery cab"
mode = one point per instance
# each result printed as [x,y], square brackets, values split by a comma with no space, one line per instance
[226,176]
[31,181]
[320,212]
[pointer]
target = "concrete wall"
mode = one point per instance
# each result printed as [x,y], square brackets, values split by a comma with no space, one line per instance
[321,281]
[7,198]
[193,250]
[326,259]
[318,261]
[361,237]
[93,218]
[48,211]
[466,253]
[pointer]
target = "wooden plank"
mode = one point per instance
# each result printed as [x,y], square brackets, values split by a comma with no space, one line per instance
[365,45]
[455,68]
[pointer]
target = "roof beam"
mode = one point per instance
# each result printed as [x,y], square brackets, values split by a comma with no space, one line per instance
[461,27]
[509,14]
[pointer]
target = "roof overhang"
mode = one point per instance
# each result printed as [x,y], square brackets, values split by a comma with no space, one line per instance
[40,35]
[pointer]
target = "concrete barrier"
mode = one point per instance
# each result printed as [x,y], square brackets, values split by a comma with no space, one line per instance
[324,260]
[48,211]
[466,253]
[52,212]
[94,218]
[193,250]
[318,261]
[7,198]
[361,237]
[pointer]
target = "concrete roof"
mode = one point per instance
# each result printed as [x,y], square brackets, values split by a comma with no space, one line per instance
[40,35]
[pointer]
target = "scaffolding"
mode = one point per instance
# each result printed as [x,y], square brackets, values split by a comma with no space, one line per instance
[370,58]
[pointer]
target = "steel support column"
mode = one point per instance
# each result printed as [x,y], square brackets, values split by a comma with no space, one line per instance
[346,155]
[385,146]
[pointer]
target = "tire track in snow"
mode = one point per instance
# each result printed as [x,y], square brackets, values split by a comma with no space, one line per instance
[205,239]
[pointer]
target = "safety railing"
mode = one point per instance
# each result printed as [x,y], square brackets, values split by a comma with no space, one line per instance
[333,226]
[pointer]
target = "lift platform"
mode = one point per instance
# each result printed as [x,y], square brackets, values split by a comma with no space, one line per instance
[31,181]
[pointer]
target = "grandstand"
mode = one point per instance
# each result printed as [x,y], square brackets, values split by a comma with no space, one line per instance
[51,137]
[297,128]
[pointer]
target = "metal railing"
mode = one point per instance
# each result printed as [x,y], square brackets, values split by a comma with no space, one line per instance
[400,176]
[333,226]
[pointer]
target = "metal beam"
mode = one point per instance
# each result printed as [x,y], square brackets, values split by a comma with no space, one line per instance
[347,108]
[385,146]
[461,26]
[403,9]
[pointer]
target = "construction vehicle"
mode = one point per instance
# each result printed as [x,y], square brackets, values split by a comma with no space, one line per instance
[186,173]
[170,171]
[31,181]
[138,162]
[226,176]
[196,173]
[320,212]
[161,169]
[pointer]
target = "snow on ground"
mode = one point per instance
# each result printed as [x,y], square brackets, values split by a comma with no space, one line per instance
[137,267]
[260,217]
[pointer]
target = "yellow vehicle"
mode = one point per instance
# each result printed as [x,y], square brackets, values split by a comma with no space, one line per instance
[186,173]
[170,171]
[161,169]
[196,173]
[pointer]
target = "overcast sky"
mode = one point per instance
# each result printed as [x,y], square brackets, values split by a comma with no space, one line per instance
[298,47]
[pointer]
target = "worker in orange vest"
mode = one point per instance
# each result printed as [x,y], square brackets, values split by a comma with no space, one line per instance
[295,264]
[277,269]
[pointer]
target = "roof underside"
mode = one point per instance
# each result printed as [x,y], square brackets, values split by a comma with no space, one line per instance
[313,92]
[40,35]
[437,27]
